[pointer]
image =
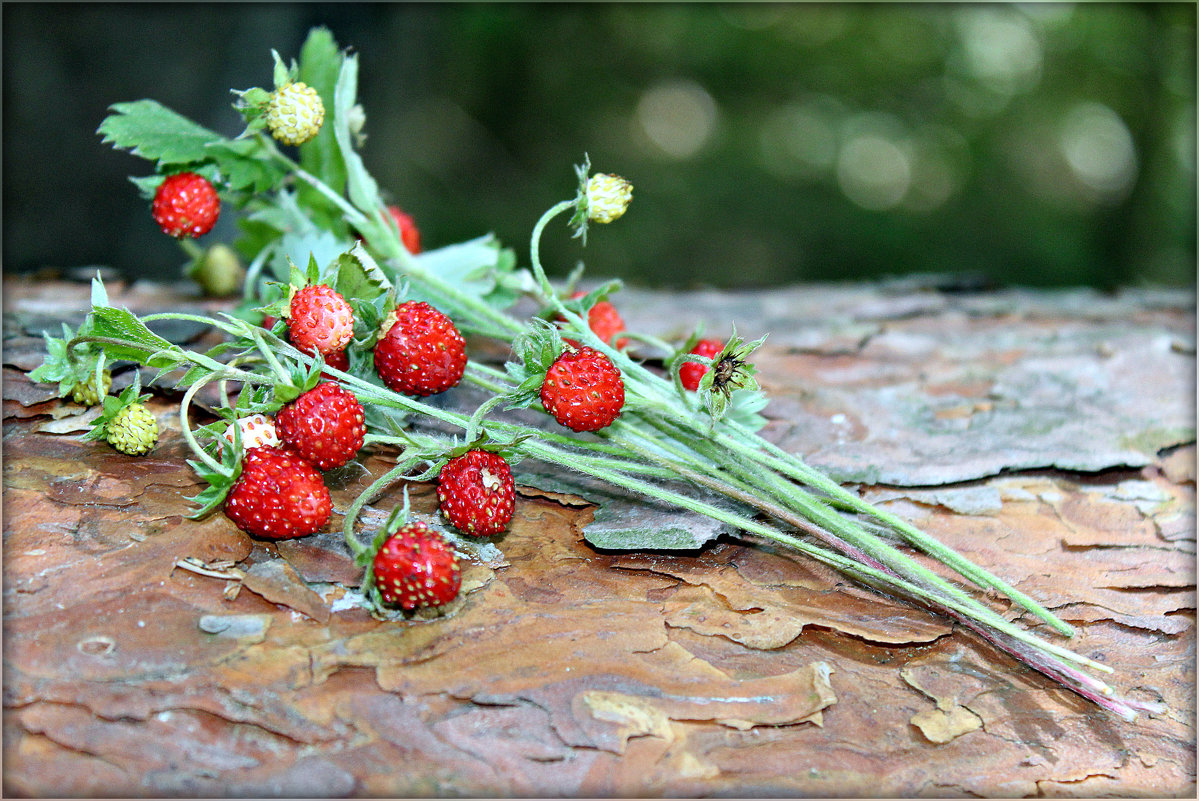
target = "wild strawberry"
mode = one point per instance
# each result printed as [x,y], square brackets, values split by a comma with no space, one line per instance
[605,321]
[85,392]
[338,360]
[608,196]
[409,233]
[185,204]
[417,567]
[691,372]
[218,271]
[295,113]
[257,431]
[319,319]
[476,493]
[278,496]
[419,351]
[324,426]
[583,389]
[132,430]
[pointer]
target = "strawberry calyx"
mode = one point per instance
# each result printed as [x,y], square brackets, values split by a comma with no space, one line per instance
[731,377]
[535,352]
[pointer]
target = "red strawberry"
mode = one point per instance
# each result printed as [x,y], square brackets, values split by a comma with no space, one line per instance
[409,233]
[186,204]
[419,351]
[278,496]
[318,318]
[338,360]
[417,567]
[476,493]
[605,321]
[691,372]
[324,426]
[583,389]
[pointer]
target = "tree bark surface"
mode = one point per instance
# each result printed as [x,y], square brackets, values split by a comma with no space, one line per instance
[1047,435]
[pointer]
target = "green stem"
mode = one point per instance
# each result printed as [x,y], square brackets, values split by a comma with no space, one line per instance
[365,497]
[353,215]
[791,466]
[185,426]
[962,606]
[547,289]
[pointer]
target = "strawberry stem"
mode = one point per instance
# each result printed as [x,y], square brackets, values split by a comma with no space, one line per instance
[185,426]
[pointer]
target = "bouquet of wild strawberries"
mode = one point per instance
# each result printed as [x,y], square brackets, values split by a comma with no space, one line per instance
[346,350]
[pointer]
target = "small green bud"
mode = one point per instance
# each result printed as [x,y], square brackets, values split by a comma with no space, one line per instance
[85,391]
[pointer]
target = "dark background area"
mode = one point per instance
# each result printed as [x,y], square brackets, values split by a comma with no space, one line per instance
[1034,144]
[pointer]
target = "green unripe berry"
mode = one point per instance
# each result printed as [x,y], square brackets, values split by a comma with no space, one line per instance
[133,430]
[85,391]
[218,272]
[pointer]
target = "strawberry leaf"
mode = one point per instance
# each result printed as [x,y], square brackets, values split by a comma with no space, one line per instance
[139,343]
[149,129]
[243,164]
[481,267]
[320,64]
[362,189]
[356,276]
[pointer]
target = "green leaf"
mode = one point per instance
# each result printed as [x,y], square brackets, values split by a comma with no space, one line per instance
[629,521]
[362,189]
[320,65]
[356,276]
[480,267]
[744,407]
[138,343]
[244,165]
[151,130]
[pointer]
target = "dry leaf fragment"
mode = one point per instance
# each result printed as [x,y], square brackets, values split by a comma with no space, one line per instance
[279,583]
[941,726]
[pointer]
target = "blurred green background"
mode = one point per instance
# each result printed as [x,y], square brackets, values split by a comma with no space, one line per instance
[1042,144]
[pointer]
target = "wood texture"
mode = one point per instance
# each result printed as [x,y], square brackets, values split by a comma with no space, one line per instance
[1048,436]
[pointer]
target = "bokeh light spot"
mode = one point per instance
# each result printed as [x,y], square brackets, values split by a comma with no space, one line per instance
[677,116]
[1099,149]
[873,172]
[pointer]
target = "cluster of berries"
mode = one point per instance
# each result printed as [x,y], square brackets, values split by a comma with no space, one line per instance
[281,492]
[418,351]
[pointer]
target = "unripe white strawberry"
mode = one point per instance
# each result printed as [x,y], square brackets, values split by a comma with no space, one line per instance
[257,431]
[607,197]
[295,113]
